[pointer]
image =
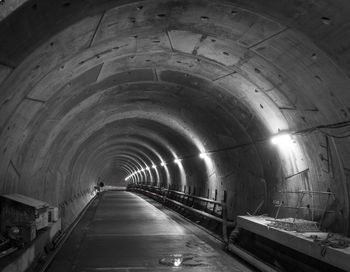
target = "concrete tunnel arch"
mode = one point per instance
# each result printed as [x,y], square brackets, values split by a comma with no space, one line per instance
[233,73]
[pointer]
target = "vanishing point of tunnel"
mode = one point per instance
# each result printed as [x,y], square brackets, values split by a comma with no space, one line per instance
[243,104]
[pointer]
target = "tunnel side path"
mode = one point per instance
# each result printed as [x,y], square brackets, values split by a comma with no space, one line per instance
[123,232]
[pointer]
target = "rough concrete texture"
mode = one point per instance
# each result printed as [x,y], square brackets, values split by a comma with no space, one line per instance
[96,90]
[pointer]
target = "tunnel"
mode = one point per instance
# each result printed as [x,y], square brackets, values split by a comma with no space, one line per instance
[241,101]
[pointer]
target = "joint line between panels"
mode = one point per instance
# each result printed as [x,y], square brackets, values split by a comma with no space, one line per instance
[7,65]
[220,77]
[295,174]
[170,41]
[34,99]
[96,29]
[15,169]
[156,74]
[270,37]
[297,109]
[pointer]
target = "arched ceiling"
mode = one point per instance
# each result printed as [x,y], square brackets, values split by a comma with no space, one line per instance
[90,86]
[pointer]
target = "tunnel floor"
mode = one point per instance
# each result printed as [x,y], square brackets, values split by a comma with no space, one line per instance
[121,231]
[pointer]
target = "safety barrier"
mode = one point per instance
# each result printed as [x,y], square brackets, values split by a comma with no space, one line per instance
[206,208]
[209,209]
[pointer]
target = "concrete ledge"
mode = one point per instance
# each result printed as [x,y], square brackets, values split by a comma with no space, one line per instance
[298,241]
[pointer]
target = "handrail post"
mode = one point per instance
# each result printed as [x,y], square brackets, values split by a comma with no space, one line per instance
[224,222]
[163,197]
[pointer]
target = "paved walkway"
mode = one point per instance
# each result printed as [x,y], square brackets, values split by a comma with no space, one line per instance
[123,232]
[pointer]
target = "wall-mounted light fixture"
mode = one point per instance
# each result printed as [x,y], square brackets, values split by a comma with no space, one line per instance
[283,139]
[203,155]
[177,160]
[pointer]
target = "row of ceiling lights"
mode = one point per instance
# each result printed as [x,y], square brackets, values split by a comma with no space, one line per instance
[281,139]
[202,155]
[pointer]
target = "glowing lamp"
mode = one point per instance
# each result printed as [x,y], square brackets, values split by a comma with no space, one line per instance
[203,155]
[177,262]
[282,140]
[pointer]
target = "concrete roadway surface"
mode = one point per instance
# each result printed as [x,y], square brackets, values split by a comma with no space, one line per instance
[122,231]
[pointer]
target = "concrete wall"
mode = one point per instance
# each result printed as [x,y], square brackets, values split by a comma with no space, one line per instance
[103,89]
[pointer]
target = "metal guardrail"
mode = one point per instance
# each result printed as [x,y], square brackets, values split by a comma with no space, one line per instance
[207,208]
[204,207]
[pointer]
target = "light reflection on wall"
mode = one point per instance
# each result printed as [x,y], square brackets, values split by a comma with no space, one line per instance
[210,169]
[163,164]
[290,153]
[183,179]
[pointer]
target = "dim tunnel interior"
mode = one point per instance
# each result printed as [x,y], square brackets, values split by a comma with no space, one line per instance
[133,91]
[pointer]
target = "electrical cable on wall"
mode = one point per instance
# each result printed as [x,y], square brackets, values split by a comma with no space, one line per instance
[321,128]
